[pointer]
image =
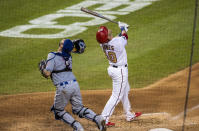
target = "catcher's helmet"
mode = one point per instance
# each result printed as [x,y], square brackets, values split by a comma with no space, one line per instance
[102,35]
[79,46]
[67,46]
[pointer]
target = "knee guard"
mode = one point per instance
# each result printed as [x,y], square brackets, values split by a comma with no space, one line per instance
[56,111]
[82,112]
[67,118]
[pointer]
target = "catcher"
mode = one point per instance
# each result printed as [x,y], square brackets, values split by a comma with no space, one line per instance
[59,67]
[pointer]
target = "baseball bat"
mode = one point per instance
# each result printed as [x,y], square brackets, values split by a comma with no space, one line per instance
[97,14]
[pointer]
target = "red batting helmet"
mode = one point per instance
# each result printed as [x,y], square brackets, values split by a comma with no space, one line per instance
[102,35]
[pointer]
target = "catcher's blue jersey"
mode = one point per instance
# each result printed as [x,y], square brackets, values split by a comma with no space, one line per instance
[56,62]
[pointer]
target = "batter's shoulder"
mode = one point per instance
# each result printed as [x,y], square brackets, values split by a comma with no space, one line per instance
[117,39]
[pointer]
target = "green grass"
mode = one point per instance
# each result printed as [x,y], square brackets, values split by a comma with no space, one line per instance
[159,44]
[19,12]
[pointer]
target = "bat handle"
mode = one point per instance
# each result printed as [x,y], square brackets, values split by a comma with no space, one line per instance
[114,22]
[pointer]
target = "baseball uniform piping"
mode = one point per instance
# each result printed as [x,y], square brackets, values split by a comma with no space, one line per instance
[118,96]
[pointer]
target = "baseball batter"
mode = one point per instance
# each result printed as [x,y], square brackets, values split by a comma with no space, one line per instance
[59,67]
[114,49]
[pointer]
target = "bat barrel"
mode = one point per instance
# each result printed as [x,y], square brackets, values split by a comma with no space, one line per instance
[97,14]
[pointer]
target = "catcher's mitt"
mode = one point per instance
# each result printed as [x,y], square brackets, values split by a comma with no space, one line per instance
[42,66]
[79,46]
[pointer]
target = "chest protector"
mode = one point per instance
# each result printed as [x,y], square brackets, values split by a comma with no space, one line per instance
[68,62]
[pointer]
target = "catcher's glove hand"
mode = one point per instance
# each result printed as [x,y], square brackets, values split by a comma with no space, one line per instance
[42,66]
[79,46]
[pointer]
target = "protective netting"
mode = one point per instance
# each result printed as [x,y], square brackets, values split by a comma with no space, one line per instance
[163,62]
[190,66]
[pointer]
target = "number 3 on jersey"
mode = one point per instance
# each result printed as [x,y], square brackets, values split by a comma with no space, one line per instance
[112,56]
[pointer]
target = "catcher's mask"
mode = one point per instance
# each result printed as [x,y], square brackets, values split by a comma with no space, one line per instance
[79,46]
[102,35]
[67,47]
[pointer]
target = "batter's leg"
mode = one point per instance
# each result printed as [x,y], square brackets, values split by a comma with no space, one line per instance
[126,103]
[110,106]
[117,93]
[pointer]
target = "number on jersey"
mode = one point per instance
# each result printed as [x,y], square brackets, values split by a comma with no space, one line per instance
[112,56]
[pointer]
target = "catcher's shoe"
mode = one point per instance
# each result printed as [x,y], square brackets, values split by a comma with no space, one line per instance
[137,114]
[79,130]
[110,124]
[77,126]
[99,120]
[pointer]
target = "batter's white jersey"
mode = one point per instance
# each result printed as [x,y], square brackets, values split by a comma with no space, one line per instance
[115,51]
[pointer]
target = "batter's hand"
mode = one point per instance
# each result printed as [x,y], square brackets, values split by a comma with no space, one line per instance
[123,26]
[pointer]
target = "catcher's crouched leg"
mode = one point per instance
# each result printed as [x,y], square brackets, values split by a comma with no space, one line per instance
[87,113]
[84,112]
[67,118]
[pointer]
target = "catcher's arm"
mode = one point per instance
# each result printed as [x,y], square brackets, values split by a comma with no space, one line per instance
[47,73]
[42,68]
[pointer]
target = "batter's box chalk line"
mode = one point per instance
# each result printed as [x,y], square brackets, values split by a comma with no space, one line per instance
[182,113]
[144,115]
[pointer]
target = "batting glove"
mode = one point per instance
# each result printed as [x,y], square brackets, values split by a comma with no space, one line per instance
[123,26]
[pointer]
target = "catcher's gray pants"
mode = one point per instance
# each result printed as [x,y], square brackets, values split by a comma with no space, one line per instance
[70,92]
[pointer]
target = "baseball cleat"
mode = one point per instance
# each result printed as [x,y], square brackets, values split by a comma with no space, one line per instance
[103,126]
[137,114]
[99,120]
[79,130]
[110,124]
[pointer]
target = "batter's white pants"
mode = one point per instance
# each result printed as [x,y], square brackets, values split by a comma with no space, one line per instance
[120,92]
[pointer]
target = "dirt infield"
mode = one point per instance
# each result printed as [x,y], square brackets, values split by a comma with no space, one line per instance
[162,105]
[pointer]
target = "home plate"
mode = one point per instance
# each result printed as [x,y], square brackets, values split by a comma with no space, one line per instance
[160,129]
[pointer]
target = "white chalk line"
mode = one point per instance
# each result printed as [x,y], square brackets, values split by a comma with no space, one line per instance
[146,114]
[182,113]
[159,113]
[168,115]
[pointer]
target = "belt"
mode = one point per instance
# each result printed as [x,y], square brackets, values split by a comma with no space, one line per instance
[66,82]
[118,66]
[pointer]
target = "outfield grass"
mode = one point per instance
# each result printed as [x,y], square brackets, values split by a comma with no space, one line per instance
[159,44]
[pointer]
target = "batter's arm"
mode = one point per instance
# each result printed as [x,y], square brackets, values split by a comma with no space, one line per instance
[124,34]
[124,28]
